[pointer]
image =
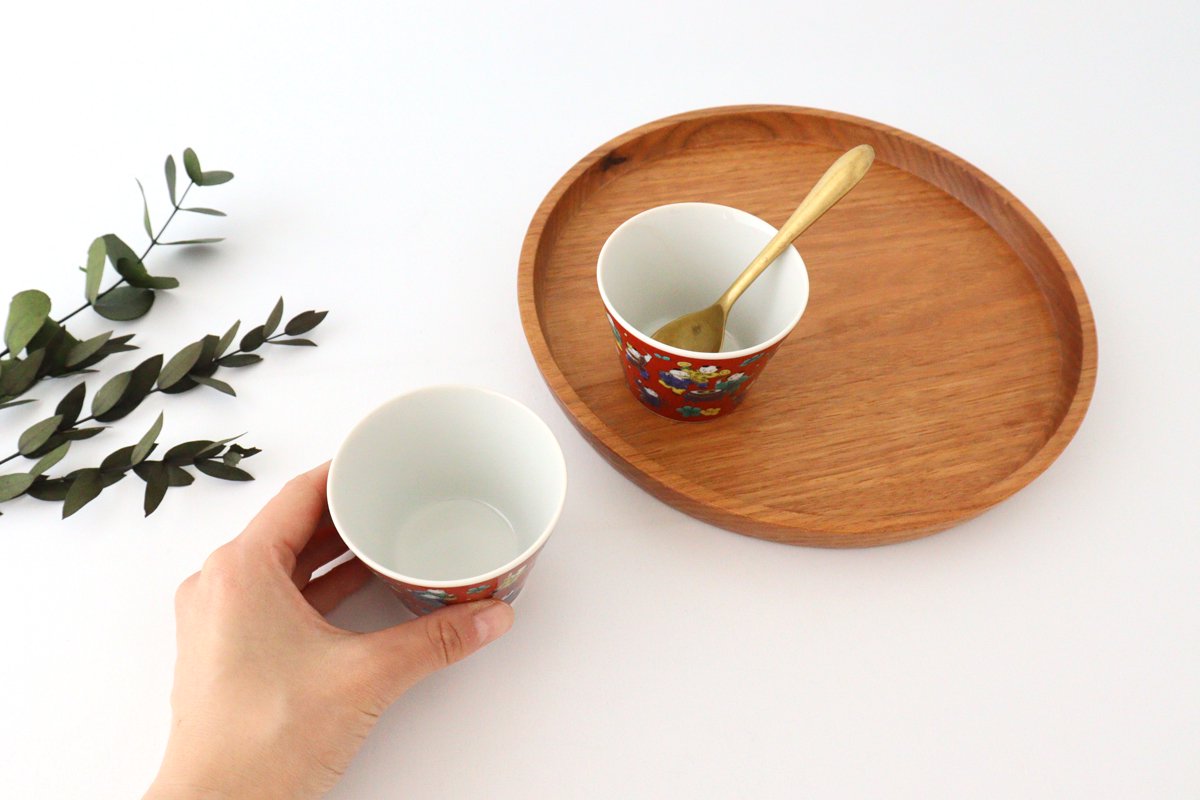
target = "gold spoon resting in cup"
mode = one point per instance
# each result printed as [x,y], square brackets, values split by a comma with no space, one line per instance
[704,330]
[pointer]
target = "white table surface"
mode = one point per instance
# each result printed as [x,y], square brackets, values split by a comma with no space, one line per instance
[388,160]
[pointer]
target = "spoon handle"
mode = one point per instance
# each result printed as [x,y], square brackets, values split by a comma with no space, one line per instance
[840,178]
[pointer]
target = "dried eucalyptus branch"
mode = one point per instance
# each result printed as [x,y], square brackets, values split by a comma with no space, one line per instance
[194,365]
[50,350]
[218,459]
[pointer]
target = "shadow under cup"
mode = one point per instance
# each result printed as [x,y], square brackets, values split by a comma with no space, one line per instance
[448,493]
[674,259]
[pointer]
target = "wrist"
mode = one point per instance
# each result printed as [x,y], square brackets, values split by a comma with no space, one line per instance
[202,770]
[209,761]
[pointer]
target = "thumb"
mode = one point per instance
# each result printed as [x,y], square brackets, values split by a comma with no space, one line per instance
[410,652]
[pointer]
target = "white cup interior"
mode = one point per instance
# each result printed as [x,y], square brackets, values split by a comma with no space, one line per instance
[677,258]
[447,485]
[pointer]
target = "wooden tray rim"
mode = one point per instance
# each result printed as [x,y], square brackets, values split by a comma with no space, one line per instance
[780,524]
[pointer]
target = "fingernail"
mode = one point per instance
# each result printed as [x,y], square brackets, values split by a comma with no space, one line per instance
[492,621]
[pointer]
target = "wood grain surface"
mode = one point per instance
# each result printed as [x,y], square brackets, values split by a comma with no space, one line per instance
[946,358]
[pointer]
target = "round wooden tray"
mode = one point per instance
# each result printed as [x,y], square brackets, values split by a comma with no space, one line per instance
[947,356]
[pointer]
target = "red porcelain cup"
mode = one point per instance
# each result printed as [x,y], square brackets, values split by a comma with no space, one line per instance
[677,258]
[448,493]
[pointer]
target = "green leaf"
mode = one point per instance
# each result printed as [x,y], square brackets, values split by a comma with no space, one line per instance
[26,313]
[145,211]
[117,344]
[191,163]
[116,249]
[124,303]
[188,451]
[212,212]
[85,487]
[61,437]
[253,339]
[66,435]
[135,273]
[214,383]
[141,383]
[294,342]
[11,403]
[178,476]
[185,453]
[95,269]
[45,336]
[169,169]
[273,319]
[205,364]
[83,433]
[110,393]
[82,351]
[19,374]
[146,443]
[36,434]
[118,459]
[50,459]
[107,479]
[208,240]
[236,453]
[240,360]
[155,474]
[244,452]
[50,489]
[71,404]
[227,339]
[144,376]
[14,485]
[215,177]
[304,322]
[57,342]
[223,471]
[179,365]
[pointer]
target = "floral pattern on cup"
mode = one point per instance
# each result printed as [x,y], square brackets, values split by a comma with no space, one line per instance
[638,361]
[422,600]
[510,585]
[428,600]
[685,390]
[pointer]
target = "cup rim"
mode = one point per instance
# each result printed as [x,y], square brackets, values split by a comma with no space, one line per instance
[697,355]
[457,582]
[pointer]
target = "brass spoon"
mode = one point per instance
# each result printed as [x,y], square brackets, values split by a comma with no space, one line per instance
[704,330]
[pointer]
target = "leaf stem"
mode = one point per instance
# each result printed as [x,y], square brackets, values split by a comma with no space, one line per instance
[153,242]
[79,422]
[150,247]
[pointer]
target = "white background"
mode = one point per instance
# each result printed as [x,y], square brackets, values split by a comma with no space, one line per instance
[388,160]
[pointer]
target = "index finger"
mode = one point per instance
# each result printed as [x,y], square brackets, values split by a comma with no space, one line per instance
[291,518]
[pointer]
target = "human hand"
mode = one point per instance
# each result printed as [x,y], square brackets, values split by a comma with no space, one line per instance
[270,699]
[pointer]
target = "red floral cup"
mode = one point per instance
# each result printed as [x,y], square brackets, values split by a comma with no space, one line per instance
[677,258]
[448,493]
